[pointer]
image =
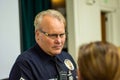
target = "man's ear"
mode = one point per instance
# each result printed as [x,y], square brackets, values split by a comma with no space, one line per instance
[37,35]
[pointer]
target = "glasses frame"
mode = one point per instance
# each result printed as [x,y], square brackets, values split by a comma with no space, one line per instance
[53,36]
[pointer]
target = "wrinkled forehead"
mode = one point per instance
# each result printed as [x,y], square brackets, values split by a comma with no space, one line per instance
[52,17]
[50,21]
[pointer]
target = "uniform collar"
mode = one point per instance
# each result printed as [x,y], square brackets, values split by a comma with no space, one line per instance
[59,57]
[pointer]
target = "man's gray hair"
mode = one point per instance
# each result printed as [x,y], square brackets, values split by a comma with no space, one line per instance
[50,12]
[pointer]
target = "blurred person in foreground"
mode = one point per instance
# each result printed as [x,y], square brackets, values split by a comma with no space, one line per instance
[46,60]
[99,61]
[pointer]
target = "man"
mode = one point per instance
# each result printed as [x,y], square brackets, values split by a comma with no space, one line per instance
[46,60]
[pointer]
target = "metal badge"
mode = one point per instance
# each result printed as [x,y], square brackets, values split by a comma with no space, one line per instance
[21,78]
[69,64]
[70,77]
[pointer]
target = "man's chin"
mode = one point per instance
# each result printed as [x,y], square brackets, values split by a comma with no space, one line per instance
[57,52]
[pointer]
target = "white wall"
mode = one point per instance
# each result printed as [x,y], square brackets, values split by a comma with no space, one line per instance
[84,22]
[9,35]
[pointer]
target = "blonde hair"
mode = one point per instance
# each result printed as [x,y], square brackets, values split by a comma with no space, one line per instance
[99,61]
[50,12]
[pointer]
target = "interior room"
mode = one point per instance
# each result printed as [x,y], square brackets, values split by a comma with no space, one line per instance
[87,20]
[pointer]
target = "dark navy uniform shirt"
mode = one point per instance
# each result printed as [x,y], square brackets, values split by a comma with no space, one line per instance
[35,64]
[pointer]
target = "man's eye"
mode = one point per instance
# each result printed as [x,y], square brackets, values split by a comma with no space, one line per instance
[62,35]
[53,35]
[56,35]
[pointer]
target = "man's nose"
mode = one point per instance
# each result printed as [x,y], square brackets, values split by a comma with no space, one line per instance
[58,38]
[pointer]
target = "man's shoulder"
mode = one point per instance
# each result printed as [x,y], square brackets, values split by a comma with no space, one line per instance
[65,54]
[26,55]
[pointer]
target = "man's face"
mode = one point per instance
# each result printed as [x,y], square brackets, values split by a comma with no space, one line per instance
[51,35]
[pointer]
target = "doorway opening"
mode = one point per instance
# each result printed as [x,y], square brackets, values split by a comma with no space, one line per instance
[103,26]
[106,26]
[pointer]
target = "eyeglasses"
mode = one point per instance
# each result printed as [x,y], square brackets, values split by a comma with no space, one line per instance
[53,36]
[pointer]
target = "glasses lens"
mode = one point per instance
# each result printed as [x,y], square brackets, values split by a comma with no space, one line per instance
[53,36]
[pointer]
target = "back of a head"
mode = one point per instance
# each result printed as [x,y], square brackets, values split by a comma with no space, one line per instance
[99,61]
